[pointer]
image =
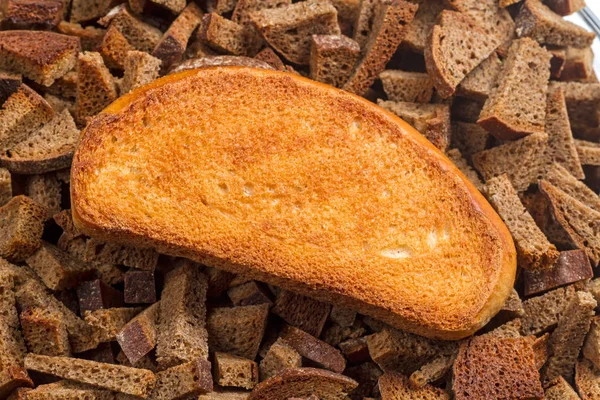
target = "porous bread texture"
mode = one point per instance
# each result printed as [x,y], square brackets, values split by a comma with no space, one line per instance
[48,149]
[412,87]
[420,27]
[363,22]
[332,58]
[174,42]
[537,21]
[90,36]
[461,163]
[45,332]
[395,386]
[389,27]
[588,152]
[40,56]
[454,48]
[23,113]
[270,57]
[302,312]
[579,221]
[138,337]
[591,347]
[234,371]
[579,64]
[288,29]
[433,371]
[5,186]
[561,178]
[559,389]
[140,68]
[516,106]
[87,10]
[542,312]
[280,356]
[32,14]
[469,138]
[522,160]
[132,381]
[480,81]
[114,48]
[299,382]
[237,330]
[142,36]
[183,381]
[22,225]
[587,379]
[314,349]
[451,213]
[95,86]
[108,322]
[220,6]
[46,190]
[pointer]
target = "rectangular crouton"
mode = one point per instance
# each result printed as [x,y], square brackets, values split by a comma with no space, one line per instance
[83,11]
[542,312]
[578,64]
[583,101]
[412,87]
[183,381]
[557,61]
[45,332]
[132,381]
[5,186]
[32,14]
[139,287]
[332,58]
[459,161]
[432,371]
[237,330]
[112,253]
[181,331]
[138,337]
[96,294]
[46,190]
[108,322]
[96,87]
[90,36]
[114,48]
[469,138]
[228,37]
[142,36]
[396,386]
[534,251]
[140,68]
[280,356]
[234,371]
[313,349]
[479,83]
[420,27]
[588,152]
[249,294]
[22,224]
[9,83]
[560,177]
[572,266]
[591,347]
[302,312]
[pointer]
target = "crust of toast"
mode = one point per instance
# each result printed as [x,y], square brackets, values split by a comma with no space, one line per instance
[299,184]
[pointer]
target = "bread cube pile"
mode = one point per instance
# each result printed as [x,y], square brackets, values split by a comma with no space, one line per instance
[504,87]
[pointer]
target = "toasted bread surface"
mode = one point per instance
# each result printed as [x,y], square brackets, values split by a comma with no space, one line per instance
[301,185]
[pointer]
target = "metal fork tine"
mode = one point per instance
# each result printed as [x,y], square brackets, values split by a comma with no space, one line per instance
[591,19]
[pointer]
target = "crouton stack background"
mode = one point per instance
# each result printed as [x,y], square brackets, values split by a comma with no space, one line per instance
[504,87]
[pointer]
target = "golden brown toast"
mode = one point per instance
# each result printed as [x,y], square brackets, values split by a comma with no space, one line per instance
[301,185]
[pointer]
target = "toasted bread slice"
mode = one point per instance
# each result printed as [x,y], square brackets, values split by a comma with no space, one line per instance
[298,184]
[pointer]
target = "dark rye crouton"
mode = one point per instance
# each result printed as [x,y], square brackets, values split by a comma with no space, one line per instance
[447,66]
[249,294]
[280,356]
[228,37]
[95,86]
[542,312]
[184,380]
[540,23]
[579,64]
[487,367]
[22,225]
[140,68]
[591,347]
[132,381]
[234,371]
[572,266]
[587,380]
[45,332]
[32,14]
[96,294]
[139,287]
[108,322]
[332,58]
[433,371]
[479,83]
[459,161]
[420,27]
[83,11]
[565,7]
[394,386]
[588,152]
[40,56]
[389,27]
[313,349]
[559,389]
[114,48]
[5,186]
[90,37]
[138,337]
[560,177]
[237,330]
[469,138]
[112,253]
[516,106]
[288,29]
[9,83]
[412,87]
[302,312]
[534,251]
[268,55]
[142,36]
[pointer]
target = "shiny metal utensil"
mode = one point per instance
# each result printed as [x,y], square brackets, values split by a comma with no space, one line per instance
[591,18]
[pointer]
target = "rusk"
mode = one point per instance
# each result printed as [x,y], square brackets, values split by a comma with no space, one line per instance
[297,184]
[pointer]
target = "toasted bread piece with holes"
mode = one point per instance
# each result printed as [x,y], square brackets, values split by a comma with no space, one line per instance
[387,236]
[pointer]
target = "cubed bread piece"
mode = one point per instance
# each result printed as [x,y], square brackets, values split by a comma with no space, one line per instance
[332,58]
[542,24]
[218,280]
[432,120]
[183,381]
[578,220]
[494,20]
[395,350]
[228,37]
[559,389]
[140,68]
[510,329]
[479,83]
[46,190]
[50,148]
[363,22]
[22,225]
[95,86]
[83,11]
[96,294]
[139,287]
[45,332]
[268,55]
[587,380]
[539,207]
[244,8]
[237,330]
[560,177]
[114,48]
[142,36]
[138,336]
[181,331]
[23,113]
[572,266]
[174,42]
[313,349]
[389,27]
[67,390]
[304,382]
[457,158]
[557,60]
[447,66]
[466,110]
[591,347]
[249,294]
[487,367]
[9,83]
[516,107]
[57,269]
[567,339]
[112,253]
[367,375]
[579,64]
[90,36]
[12,347]
[5,186]
[355,350]
[108,322]
[32,14]
[38,55]
[395,386]
[469,138]
[588,152]
[420,28]
[280,356]
[220,6]
[65,86]
[132,381]
[234,371]
[542,312]
[412,87]
[302,312]
[289,28]
[342,316]
[432,371]
[534,251]
[522,160]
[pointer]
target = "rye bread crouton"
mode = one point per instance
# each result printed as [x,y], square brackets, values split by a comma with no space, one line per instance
[587,379]
[579,64]
[45,332]
[559,389]
[234,371]
[114,48]
[394,386]
[96,87]
[90,36]
[5,186]
[228,37]
[32,14]
[479,83]
[420,27]
[542,312]
[138,337]
[588,152]
[142,36]
[332,58]
[313,349]
[469,138]
[302,312]
[140,68]
[591,346]
[9,83]
[461,163]
[565,7]
[572,266]
[22,224]
[280,356]
[183,381]
[560,177]
[249,294]
[412,87]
